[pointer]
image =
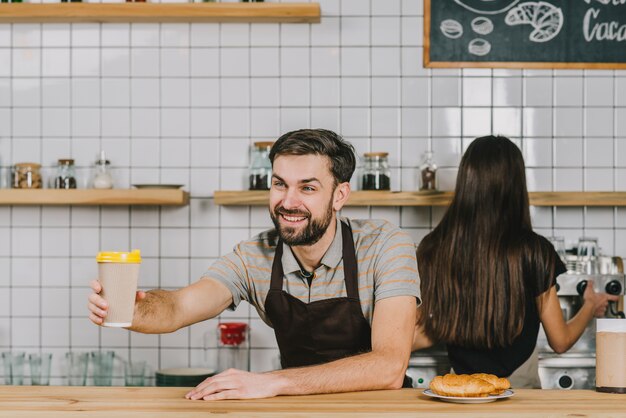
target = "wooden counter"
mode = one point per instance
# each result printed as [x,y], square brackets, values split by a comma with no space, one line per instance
[61,401]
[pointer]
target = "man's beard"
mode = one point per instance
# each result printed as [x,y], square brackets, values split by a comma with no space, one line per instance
[312,232]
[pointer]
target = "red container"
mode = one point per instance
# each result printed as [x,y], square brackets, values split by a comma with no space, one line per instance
[233,333]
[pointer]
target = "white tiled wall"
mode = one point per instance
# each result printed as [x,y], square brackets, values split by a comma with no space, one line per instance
[181,103]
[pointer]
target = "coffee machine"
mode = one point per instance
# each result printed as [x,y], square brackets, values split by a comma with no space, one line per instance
[575,369]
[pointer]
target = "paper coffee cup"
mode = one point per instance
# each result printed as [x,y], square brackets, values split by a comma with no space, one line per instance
[611,355]
[118,273]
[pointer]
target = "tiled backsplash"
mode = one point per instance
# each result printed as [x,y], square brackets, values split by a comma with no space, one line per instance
[182,103]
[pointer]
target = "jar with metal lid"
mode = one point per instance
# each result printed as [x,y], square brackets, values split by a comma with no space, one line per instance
[102,178]
[428,173]
[66,175]
[233,346]
[26,176]
[376,173]
[260,166]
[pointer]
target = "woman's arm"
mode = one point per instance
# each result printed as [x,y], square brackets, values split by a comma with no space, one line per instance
[420,339]
[562,335]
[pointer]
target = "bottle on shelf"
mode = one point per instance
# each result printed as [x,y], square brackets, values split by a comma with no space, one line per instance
[428,174]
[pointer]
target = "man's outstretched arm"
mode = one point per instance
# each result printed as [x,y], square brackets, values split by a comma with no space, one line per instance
[161,311]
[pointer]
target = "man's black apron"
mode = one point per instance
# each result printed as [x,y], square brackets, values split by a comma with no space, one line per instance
[321,331]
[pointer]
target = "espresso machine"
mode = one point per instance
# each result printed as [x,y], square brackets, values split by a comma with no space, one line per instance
[575,369]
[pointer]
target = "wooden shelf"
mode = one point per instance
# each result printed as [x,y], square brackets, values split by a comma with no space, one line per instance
[160,12]
[94,197]
[374,198]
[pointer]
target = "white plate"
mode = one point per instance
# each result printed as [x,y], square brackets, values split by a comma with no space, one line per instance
[158,186]
[460,399]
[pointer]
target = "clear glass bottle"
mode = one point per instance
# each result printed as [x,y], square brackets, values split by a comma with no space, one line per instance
[232,346]
[376,173]
[66,174]
[26,176]
[260,166]
[102,178]
[428,173]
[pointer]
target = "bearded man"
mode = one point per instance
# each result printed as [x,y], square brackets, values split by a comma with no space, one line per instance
[341,294]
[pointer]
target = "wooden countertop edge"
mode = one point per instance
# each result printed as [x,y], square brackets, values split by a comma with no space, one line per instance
[44,401]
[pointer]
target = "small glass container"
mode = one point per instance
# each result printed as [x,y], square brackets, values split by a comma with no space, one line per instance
[102,178]
[26,176]
[428,173]
[232,346]
[66,174]
[376,173]
[260,166]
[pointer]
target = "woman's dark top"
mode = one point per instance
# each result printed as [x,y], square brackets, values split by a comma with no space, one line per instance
[502,361]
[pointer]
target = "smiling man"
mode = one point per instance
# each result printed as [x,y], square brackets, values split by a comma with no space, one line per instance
[340,294]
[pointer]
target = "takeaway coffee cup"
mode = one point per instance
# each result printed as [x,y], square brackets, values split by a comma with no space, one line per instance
[118,273]
[611,355]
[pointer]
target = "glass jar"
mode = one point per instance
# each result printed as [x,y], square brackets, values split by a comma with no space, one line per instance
[26,176]
[102,178]
[428,173]
[66,175]
[232,346]
[376,174]
[260,166]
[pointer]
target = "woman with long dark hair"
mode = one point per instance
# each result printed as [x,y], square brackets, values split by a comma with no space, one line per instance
[487,279]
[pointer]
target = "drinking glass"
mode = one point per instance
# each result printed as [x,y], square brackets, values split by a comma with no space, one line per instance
[587,247]
[134,373]
[40,368]
[102,367]
[77,368]
[13,367]
[587,255]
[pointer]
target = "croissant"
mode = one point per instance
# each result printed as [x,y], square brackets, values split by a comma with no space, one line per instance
[500,383]
[462,385]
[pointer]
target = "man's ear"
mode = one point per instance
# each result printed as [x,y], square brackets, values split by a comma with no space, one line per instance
[340,196]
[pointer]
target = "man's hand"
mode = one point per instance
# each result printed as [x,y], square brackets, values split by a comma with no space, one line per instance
[236,384]
[599,301]
[99,307]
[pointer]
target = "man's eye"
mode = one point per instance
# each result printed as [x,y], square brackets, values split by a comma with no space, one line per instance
[308,189]
[279,184]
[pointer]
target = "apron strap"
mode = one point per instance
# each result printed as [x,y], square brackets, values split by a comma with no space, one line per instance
[276,282]
[350,270]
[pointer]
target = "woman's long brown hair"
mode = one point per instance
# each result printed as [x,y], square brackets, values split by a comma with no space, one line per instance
[472,265]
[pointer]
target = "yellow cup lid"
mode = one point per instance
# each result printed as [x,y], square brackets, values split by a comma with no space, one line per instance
[119,257]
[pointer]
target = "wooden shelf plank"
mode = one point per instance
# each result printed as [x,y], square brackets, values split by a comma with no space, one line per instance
[160,12]
[384,198]
[357,198]
[94,197]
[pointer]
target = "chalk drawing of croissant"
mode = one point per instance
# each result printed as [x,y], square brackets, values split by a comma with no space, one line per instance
[546,19]
[487,7]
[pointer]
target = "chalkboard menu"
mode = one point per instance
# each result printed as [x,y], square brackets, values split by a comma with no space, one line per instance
[525,34]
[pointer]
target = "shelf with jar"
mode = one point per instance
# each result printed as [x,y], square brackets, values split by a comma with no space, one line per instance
[414,198]
[142,12]
[375,185]
[94,197]
[27,184]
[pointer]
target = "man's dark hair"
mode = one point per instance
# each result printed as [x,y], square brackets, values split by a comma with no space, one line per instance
[319,142]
